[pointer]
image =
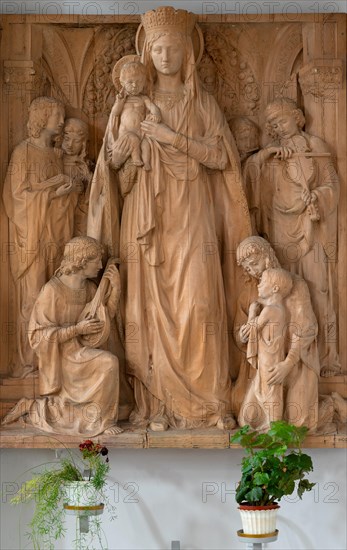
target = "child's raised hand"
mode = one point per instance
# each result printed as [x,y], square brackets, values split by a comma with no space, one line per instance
[254,309]
[122,94]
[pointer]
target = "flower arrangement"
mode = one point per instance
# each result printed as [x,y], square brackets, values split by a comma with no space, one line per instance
[48,489]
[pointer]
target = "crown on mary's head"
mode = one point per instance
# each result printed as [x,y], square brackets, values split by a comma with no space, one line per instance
[168,19]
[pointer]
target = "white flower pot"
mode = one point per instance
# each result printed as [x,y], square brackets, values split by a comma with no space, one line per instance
[81,493]
[258,520]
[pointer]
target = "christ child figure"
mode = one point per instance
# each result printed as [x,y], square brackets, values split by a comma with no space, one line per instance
[132,107]
[267,317]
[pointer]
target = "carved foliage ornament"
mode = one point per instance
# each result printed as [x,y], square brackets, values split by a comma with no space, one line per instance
[112,44]
[321,78]
[226,73]
[21,77]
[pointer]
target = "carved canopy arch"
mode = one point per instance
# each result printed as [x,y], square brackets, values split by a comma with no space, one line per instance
[284,61]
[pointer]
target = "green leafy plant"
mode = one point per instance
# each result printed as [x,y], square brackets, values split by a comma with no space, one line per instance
[270,470]
[47,489]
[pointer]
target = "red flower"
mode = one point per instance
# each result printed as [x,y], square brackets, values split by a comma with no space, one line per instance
[88,449]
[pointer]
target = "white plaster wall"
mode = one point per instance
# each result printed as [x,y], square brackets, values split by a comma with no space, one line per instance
[187,495]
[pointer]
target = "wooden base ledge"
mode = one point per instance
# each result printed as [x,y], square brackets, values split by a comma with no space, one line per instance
[14,437]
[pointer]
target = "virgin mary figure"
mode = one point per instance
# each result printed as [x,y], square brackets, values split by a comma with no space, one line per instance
[176,228]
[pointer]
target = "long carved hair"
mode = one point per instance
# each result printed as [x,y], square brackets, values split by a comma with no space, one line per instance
[77,253]
[283,105]
[256,246]
[40,110]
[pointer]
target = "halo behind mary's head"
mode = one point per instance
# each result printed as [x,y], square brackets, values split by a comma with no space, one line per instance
[167,19]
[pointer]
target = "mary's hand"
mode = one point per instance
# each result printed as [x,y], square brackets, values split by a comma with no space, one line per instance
[159,132]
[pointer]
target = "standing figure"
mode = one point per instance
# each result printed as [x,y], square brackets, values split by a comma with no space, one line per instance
[40,202]
[79,384]
[178,225]
[263,402]
[299,371]
[78,167]
[296,194]
[130,110]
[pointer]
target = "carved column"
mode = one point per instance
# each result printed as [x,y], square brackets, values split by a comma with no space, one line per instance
[21,82]
[322,81]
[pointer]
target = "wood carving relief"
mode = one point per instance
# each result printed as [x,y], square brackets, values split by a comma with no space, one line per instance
[111,45]
[322,78]
[123,148]
[227,74]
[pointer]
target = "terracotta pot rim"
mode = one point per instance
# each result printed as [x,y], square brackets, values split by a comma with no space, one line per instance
[246,507]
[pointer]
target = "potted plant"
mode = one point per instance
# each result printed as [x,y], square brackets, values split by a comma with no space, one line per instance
[76,485]
[269,472]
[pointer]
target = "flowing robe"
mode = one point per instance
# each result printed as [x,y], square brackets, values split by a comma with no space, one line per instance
[78,168]
[178,229]
[40,226]
[79,385]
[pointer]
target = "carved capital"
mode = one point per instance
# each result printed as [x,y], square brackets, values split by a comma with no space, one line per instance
[321,77]
[22,76]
